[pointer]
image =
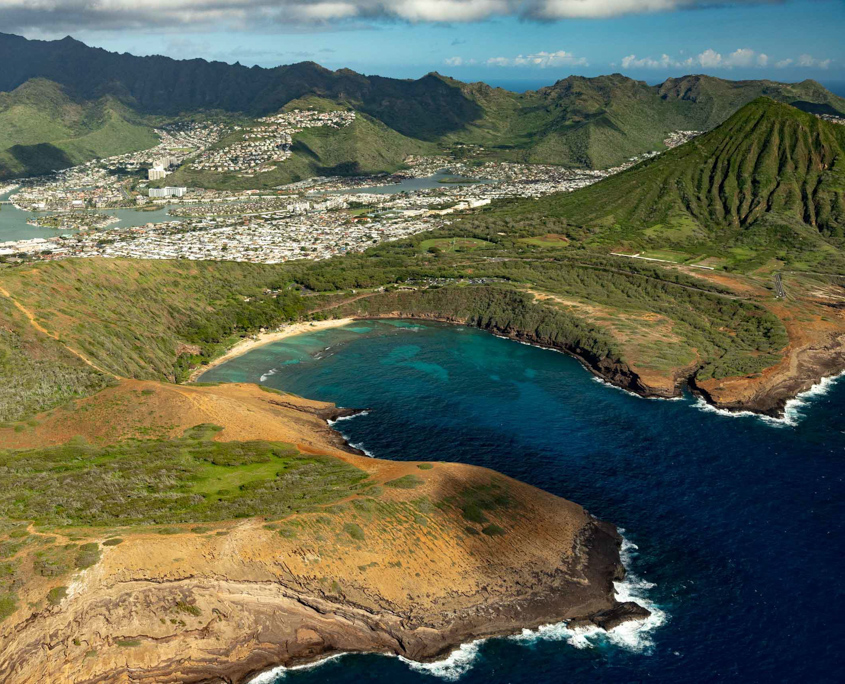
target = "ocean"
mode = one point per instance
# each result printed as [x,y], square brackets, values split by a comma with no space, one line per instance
[734,526]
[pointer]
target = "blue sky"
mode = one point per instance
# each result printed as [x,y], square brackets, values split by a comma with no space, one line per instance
[499,41]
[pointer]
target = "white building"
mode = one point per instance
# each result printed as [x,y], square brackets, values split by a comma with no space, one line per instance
[168,192]
[156,174]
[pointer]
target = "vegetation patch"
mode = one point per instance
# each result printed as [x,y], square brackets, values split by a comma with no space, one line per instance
[56,595]
[405,482]
[188,608]
[190,479]
[354,531]
[8,604]
[88,555]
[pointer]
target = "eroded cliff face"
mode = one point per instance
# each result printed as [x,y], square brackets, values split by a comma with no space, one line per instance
[768,394]
[227,608]
[420,561]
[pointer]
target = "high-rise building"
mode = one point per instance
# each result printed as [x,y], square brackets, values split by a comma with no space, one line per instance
[162,193]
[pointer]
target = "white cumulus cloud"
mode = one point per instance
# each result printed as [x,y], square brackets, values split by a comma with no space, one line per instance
[540,60]
[810,61]
[56,15]
[710,59]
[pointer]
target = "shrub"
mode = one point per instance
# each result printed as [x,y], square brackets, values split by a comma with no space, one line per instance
[8,604]
[88,555]
[56,595]
[354,531]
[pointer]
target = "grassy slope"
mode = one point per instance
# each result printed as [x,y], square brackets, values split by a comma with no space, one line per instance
[37,372]
[43,129]
[134,318]
[769,180]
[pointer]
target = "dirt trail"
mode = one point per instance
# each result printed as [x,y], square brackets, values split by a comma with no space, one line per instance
[40,328]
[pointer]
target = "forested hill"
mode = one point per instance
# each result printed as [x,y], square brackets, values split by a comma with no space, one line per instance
[587,122]
[770,178]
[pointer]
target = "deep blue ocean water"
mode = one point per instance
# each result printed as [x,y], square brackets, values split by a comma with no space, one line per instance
[739,523]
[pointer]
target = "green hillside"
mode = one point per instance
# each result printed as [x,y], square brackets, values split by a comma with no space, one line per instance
[600,122]
[43,129]
[366,146]
[769,182]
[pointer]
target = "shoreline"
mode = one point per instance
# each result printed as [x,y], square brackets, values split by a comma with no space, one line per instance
[632,635]
[622,378]
[247,344]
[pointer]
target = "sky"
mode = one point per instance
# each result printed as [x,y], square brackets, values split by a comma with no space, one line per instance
[504,42]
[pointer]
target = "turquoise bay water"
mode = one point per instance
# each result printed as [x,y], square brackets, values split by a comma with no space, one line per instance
[739,523]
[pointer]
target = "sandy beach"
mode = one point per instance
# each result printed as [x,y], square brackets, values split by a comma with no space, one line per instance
[249,343]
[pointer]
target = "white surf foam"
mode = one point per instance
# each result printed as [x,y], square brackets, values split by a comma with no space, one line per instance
[451,668]
[793,410]
[277,673]
[604,382]
[361,448]
[332,423]
[354,415]
[266,375]
[635,636]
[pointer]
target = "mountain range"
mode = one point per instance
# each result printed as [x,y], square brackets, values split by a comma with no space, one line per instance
[106,101]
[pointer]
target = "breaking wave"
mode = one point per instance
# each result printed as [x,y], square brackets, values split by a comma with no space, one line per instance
[792,412]
[634,636]
[268,374]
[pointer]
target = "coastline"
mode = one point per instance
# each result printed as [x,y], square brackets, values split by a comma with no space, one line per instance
[809,368]
[247,344]
[238,612]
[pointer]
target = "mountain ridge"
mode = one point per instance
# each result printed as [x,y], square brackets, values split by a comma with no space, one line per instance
[595,122]
[769,180]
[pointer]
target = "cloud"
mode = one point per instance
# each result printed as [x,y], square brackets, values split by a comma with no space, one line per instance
[743,58]
[454,61]
[809,61]
[633,62]
[570,9]
[540,60]
[66,15]
[804,62]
